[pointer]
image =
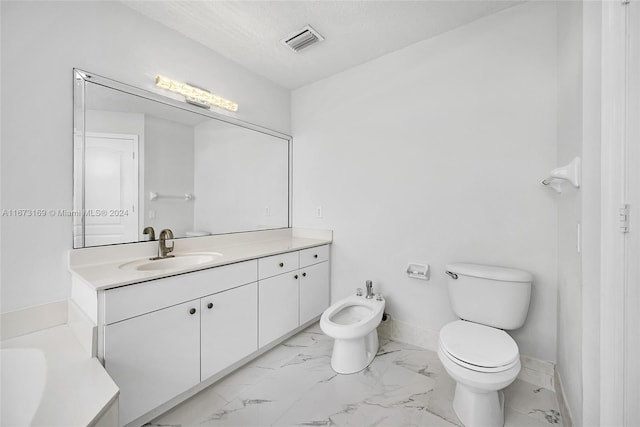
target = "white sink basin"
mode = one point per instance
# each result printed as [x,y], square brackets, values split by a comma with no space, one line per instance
[177,262]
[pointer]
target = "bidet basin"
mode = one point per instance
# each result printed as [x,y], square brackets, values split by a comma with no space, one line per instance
[177,262]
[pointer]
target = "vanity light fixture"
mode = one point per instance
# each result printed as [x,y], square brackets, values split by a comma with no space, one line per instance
[195,95]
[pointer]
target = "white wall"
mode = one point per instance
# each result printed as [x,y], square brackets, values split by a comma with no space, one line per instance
[579,106]
[41,43]
[115,122]
[239,173]
[570,205]
[436,153]
[168,170]
[591,205]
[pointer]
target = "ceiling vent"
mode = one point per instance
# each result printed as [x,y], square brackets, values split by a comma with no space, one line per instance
[302,39]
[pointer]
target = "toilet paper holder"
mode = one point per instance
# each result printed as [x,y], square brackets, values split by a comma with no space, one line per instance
[418,271]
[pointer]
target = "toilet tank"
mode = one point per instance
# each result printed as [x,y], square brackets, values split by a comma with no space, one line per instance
[490,295]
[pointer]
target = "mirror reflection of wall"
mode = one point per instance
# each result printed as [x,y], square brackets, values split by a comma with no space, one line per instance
[168,171]
[237,178]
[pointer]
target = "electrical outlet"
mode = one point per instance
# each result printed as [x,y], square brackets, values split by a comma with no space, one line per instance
[319,212]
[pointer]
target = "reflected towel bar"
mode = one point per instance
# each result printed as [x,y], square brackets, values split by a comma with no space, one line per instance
[185,197]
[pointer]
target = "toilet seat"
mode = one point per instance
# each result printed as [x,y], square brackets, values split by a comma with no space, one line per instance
[478,347]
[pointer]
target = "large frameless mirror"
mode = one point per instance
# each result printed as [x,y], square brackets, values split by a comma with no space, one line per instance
[143,160]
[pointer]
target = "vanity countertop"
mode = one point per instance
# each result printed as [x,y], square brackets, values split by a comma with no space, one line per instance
[106,274]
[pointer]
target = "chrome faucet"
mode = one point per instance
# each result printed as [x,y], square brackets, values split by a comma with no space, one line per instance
[369,285]
[163,249]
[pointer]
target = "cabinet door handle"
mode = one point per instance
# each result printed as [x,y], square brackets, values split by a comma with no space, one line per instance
[295,277]
[281,264]
[304,274]
[192,311]
[210,305]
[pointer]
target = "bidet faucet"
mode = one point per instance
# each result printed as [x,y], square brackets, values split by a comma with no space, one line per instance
[163,249]
[369,285]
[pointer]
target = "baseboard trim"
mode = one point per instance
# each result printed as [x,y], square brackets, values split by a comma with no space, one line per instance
[398,330]
[537,372]
[534,371]
[561,397]
[32,319]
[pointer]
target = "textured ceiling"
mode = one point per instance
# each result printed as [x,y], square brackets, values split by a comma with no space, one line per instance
[249,32]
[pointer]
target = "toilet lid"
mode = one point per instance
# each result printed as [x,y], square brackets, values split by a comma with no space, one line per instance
[478,345]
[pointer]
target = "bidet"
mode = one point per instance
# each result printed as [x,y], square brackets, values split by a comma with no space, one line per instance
[352,322]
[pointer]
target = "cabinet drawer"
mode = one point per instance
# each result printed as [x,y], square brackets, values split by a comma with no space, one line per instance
[314,255]
[134,300]
[277,264]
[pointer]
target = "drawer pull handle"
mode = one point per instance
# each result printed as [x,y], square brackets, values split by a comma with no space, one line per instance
[192,311]
[315,255]
[304,274]
[210,305]
[295,277]
[281,264]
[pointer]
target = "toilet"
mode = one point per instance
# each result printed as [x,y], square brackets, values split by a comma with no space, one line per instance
[475,350]
[352,323]
[197,233]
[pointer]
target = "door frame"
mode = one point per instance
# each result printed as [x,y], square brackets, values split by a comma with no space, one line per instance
[615,250]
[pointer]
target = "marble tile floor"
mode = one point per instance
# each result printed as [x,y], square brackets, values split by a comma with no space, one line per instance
[293,385]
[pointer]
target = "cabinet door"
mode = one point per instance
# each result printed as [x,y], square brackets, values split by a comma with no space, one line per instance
[278,306]
[229,328]
[153,357]
[314,291]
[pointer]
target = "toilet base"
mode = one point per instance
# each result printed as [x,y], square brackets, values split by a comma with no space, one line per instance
[477,408]
[353,355]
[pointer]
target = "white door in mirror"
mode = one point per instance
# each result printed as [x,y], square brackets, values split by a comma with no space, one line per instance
[111,188]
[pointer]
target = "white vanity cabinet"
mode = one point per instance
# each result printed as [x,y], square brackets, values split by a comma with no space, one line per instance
[228,328]
[313,280]
[156,346]
[153,357]
[163,340]
[293,290]
[278,296]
